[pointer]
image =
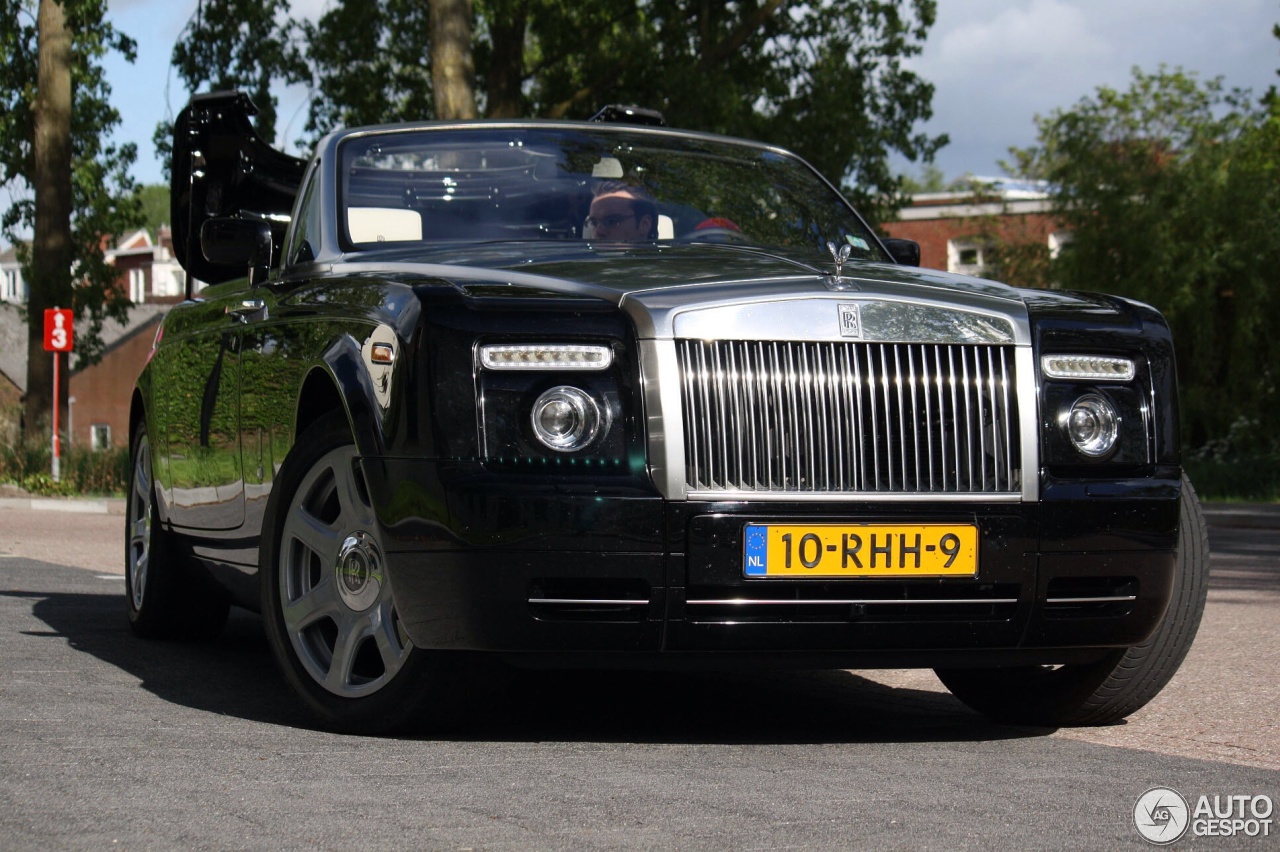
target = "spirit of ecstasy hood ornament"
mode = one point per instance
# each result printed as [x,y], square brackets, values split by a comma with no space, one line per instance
[840,255]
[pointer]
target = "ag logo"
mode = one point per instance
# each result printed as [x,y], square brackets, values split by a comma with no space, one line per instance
[1161,815]
[850,320]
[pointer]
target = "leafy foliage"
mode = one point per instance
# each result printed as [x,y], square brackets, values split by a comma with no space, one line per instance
[824,79]
[84,471]
[154,200]
[103,198]
[932,179]
[370,64]
[242,44]
[1172,192]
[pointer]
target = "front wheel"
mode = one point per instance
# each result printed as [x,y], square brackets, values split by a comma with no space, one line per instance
[328,605]
[1106,691]
[164,601]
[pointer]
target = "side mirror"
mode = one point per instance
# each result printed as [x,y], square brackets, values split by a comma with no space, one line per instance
[238,243]
[905,252]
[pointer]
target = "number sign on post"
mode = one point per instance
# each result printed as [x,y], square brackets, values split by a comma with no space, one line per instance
[59,336]
[59,331]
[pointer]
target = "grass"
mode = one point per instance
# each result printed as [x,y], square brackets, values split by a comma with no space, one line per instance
[1239,480]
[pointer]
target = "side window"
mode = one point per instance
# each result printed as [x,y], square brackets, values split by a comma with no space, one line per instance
[305,234]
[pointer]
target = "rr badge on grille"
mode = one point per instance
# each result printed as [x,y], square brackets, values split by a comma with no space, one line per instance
[850,320]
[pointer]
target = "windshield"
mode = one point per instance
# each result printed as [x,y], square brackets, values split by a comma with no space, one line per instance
[606,184]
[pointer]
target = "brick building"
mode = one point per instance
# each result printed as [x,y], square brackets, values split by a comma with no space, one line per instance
[98,410]
[957,230]
[98,395]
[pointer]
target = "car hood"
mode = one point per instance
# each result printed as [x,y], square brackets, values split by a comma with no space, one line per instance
[710,288]
[630,269]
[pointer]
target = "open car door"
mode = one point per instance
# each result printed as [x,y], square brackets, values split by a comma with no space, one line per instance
[223,168]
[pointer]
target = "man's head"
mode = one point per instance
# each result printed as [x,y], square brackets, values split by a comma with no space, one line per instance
[622,212]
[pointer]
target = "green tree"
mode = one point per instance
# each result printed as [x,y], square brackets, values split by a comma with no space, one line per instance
[154,198]
[242,44]
[370,64]
[1172,192]
[238,44]
[931,179]
[824,79]
[72,187]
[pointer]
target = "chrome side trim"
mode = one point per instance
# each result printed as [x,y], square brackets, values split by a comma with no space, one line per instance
[848,601]
[588,602]
[1099,599]
[853,496]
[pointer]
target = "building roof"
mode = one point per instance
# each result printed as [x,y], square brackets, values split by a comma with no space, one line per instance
[139,239]
[13,337]
[986,196]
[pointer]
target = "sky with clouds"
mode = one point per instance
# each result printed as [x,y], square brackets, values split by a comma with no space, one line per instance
[995,64]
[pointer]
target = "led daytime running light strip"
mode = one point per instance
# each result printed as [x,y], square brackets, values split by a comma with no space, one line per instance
[545,356]
[1098,368]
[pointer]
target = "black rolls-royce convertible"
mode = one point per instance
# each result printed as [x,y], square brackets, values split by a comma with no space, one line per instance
[608,394]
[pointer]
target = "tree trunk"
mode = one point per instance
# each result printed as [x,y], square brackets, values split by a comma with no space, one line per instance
[51,254]
[506,72]
[453,71]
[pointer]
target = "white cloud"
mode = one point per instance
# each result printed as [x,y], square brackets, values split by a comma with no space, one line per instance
[1043,31]
[996,64]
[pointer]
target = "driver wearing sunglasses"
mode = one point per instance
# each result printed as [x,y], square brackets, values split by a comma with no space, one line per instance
[621,212]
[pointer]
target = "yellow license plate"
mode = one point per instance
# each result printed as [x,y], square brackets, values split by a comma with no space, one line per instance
[860,550]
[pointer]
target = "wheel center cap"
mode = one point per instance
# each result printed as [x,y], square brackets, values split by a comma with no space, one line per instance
[358,571]
[355,572]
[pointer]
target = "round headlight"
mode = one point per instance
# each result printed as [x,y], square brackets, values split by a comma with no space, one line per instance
[1093,425]
[565,419]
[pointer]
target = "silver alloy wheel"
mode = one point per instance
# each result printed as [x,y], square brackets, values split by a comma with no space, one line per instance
[139,522]
[335,597]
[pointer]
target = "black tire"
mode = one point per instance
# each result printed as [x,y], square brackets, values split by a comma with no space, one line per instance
[164,601]
[327,604]
[1104,692]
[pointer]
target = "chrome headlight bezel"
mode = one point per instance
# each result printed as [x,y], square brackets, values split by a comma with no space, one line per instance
[1092,425]
[581,418]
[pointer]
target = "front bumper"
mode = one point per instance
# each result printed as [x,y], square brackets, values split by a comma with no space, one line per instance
[627,577]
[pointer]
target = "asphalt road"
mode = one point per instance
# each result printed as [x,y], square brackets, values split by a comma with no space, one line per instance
[107,741]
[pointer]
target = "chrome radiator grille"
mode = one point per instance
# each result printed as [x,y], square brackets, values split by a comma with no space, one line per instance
[896,418]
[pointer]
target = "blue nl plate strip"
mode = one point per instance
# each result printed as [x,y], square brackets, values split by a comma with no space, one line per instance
[755,546]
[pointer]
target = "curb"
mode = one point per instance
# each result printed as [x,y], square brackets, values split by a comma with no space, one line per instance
[105,506]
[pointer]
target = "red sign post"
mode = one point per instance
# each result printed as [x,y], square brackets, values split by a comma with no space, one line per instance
[59,337]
